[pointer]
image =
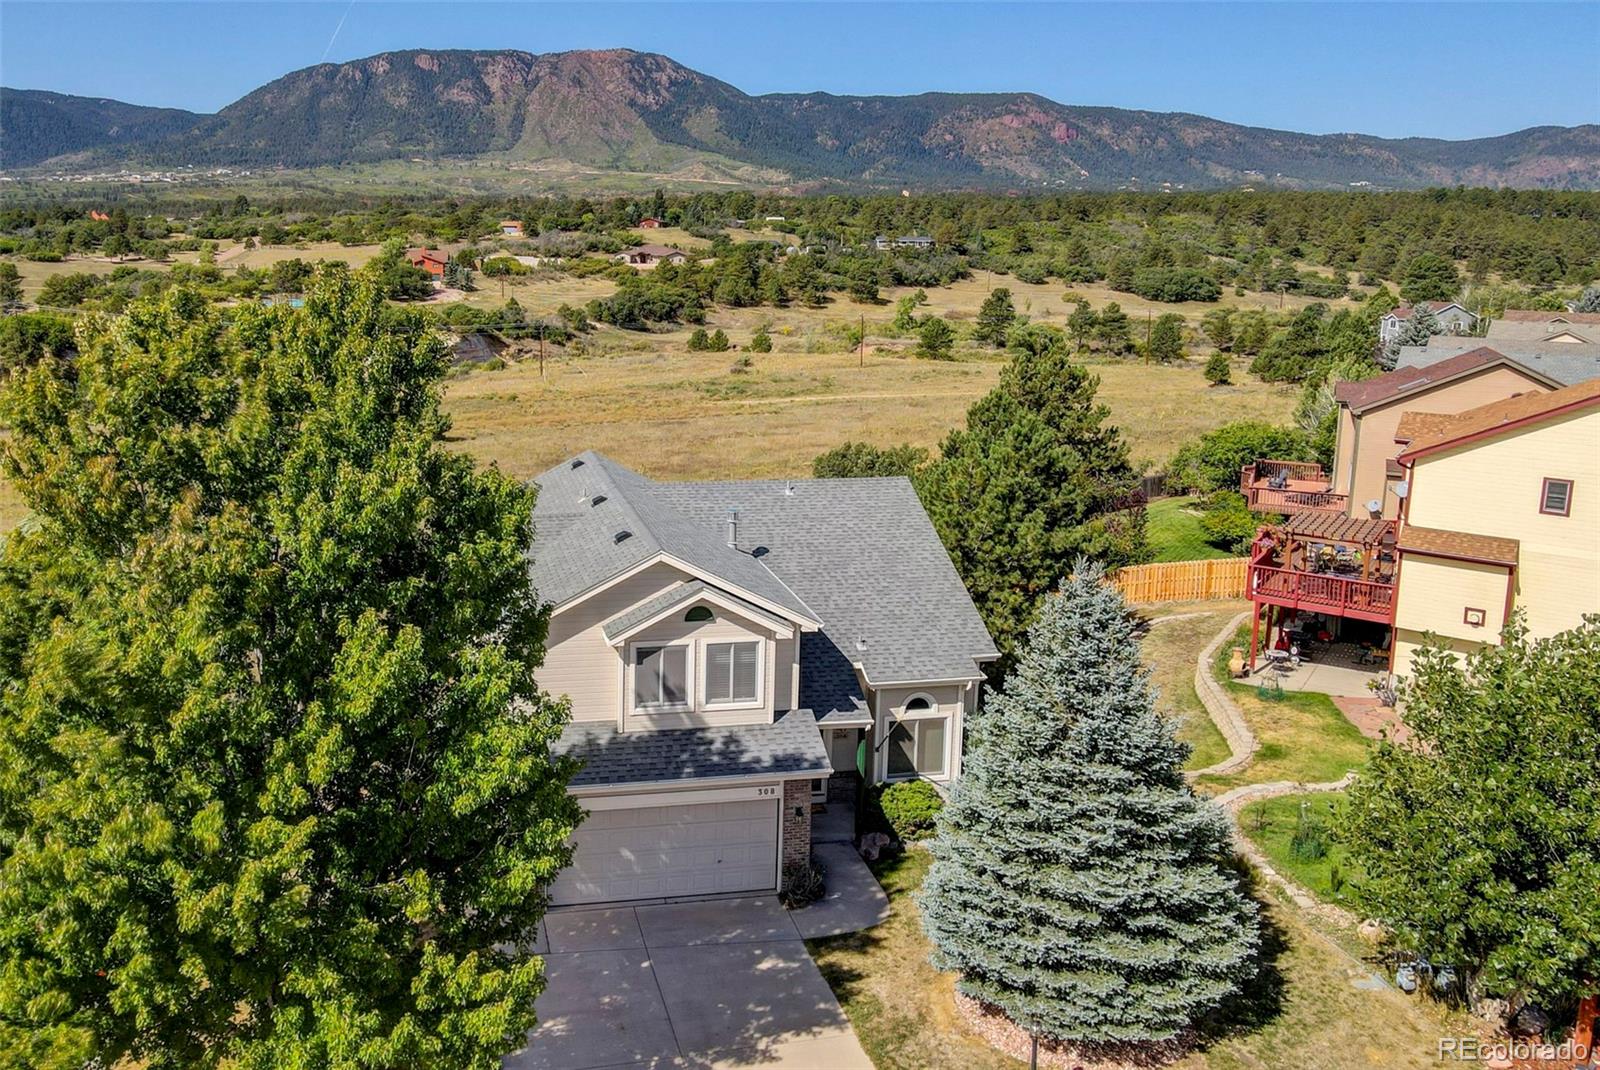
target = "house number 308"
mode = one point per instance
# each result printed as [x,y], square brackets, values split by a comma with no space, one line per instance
[766,791]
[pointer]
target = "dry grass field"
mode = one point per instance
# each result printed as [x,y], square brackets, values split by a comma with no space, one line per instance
[649,402]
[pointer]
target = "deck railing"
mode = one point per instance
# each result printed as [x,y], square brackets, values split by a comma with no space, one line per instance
[1268,500]
[1342,596]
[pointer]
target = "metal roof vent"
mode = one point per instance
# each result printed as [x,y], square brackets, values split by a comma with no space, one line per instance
[622,536]
[577,462]
[596,500]
[861,642]
[788,488]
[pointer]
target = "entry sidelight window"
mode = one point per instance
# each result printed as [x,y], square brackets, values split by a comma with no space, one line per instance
[732,673]
[660,677]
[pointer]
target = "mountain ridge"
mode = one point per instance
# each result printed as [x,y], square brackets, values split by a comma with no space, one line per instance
[627,110]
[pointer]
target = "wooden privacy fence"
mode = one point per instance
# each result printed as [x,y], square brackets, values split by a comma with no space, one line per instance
[1182,581]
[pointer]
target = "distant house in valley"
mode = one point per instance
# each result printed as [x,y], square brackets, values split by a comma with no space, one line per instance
[511,228]
[1453,319]
[905,241]
[98,216]
[430,260]
[650,222]
[651,255]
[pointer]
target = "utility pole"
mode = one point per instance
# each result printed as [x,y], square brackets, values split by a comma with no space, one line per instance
[861,360]
[1149,314]
[541,349]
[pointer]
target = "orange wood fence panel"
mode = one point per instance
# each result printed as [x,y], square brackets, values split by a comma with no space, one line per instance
[1182,581]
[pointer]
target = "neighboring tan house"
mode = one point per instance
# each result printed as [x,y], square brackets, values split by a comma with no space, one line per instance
[1503,513]
[1453,319]
[1558,328]
[430,260]
[1369,417]
[511,228]
[734,654]
[650,222]
[650,255]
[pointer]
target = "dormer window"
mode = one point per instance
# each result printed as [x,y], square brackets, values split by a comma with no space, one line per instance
[1556,497]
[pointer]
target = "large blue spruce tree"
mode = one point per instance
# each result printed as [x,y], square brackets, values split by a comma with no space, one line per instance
[1078,885]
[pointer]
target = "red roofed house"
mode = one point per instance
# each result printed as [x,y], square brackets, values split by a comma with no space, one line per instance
[430,260]
[650,222]
[511,228]
[99,217]
[650,255]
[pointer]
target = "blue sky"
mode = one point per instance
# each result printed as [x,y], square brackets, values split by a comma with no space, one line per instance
[1394,69]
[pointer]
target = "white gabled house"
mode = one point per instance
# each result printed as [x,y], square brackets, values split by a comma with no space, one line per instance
[734,653]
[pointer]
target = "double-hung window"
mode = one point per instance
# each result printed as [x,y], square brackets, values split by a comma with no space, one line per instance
[733,674]
[661,677]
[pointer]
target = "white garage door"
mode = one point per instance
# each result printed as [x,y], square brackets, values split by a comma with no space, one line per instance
[658,851]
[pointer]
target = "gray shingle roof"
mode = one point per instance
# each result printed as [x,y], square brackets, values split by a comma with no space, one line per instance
[828,684]
[858,556]
[1567,363]
[788,747]
[586,505]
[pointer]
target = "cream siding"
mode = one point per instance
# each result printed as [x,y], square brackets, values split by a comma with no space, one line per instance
[1436,592]
[579,662]
[950,701]
[725,627]
[1494,487]
[1360,470]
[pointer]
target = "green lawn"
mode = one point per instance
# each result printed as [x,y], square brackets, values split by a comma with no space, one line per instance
[1304,738]
[1170,648]
[1271,825]
[1173,527]
[1305,1009]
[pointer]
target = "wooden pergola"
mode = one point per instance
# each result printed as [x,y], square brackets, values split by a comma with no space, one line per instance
[1296,566]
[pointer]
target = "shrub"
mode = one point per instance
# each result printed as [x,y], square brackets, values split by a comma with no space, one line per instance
[761,342]
[803,885]
[1228,522]
[1310,840]
[1212,461]
[1217,371]
[910,807]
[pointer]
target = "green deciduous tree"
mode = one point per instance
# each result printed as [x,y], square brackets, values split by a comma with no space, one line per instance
[1478,834]
[1078,884]
[275,779]
[1212,461]
[1035,478]
[995,317]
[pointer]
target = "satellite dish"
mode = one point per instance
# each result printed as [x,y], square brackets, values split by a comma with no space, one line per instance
[1402,488]
[1374,505]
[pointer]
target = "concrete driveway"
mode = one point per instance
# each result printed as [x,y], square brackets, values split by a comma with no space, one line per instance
[722,983]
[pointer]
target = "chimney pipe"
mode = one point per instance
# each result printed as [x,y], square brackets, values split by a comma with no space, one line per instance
[733,528]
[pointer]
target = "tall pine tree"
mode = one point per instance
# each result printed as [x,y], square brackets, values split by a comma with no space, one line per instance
[1078,885]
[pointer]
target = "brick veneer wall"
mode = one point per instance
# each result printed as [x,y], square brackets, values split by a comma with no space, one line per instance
[796,825]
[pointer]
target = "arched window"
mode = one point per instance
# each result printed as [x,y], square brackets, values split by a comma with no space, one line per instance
[918,702]
[698,614]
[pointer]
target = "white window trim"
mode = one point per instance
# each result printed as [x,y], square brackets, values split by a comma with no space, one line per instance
[761,675]
[630,668]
